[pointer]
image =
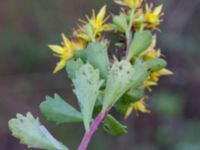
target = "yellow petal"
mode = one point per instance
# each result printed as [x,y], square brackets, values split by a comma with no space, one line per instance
[60,65]
[158,10]
[150,54]
[148,83]
[128,112]
[164,72]
[148,8]
[67,43]
[151,83]
[139,106]
[120,2]
[153,44]
[101,15]
[56,49]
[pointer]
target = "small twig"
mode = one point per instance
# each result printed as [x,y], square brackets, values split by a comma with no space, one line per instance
[129,32]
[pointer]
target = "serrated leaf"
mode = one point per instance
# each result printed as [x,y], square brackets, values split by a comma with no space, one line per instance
[72,66]
[96,55]
[57,110]
[113,127]
[30,132]
[141,41]
[118,82]
[122,77]
[87,83]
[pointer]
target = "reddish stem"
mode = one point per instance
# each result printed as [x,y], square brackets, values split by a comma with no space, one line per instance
[94,126]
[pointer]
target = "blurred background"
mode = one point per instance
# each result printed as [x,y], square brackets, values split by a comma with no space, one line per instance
[26,64]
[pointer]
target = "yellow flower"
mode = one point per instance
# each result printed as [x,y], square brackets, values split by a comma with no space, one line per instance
[98,22]
[130,3]
[65,52]
[152,17]
[79,44]
[151,54]
[139,106]
[96,25]
[148,83]
[163,72]
[154,78]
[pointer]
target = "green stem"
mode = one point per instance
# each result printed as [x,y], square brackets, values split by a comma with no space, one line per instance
[129,32]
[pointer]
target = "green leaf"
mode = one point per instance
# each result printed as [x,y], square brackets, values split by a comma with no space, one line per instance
[32,133]
[120,22]
[72,66]
[133,95]
[140,43]
[89,31]
[96,55]
[122,105]
[141,72]
[113,127]
[56,109]
[88,34]
[118,82]
[122,77]
[87,83]
[156,64]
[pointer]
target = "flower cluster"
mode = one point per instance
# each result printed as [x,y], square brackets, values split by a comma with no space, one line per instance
[152,80]
[150,54]
[89,31]
[138,16]
[66,51]
[135,16]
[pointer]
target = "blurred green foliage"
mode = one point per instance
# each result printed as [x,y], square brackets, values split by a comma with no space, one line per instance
[168,104]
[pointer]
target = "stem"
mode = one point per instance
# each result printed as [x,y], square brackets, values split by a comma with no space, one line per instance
[129,32]
[93,128]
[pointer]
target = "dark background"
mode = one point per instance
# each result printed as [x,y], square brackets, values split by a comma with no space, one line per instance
[26,64]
